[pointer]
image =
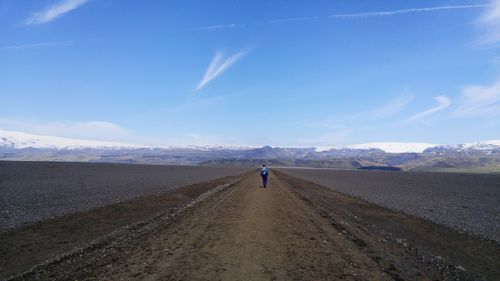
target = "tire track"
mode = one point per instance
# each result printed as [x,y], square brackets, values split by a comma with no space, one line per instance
[244,232]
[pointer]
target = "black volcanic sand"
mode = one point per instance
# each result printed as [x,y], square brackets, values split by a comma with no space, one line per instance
[24,247]
[466,202]
[294,230]
[456,256]
[33,191]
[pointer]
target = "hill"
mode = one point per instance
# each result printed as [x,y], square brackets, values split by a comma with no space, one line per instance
[483,157]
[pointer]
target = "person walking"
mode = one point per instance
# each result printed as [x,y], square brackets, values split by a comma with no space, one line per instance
[264,173]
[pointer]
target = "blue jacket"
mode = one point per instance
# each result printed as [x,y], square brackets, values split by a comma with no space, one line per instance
[264,172]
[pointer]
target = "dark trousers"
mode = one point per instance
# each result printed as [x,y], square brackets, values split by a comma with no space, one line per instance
[264,180]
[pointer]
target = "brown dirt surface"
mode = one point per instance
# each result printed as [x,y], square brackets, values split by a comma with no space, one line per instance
[294,230]
[33,191]
[466,202]
[437,245]
[22,248]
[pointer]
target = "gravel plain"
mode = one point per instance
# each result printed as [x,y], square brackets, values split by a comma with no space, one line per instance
[33,191]
[469,203]
[242,232]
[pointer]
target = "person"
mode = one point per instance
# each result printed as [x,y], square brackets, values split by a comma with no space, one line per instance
[264,173]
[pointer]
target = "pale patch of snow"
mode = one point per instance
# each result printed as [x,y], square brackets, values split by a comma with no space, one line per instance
[18,140]
[13,139]
[219,147]
[394,147]
[493,142]
[323,148]
[482,145]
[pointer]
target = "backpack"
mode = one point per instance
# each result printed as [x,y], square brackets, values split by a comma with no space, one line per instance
[263,171]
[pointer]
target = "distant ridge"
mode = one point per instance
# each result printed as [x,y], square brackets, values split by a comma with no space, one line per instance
[20,140]
[482,157]
[395,147]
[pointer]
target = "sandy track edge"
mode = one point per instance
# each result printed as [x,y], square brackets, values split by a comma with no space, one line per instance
[349,225]
[129,232]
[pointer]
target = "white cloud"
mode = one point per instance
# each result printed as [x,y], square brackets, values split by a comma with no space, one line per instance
[91,130]
[492,14]
[442,103]
[392,107]
[489,21]
[219,65]
[479,101]
[404,11]
[218,26]
[255,23]
[190,106]
[283,20]
[336,122]
[342,16]
[39,45]
[53,12]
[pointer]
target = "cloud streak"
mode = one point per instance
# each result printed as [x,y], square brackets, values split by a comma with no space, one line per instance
[346,16]
[393,107]
[219,26]
[489,21]
[91,130]
[442,103]
[39,45]
[404,11]
[256,23]
[479,101]
[218,66]
[53,12]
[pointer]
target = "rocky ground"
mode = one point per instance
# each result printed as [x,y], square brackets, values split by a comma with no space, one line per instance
[467,202]
[295,230]
[32,191]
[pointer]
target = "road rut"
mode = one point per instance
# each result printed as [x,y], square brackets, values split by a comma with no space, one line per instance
[244,232]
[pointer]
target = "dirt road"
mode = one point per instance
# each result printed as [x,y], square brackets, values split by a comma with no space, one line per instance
[245,232]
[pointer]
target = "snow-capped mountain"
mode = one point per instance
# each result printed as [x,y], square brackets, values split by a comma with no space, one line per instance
[18,140]
[415,147]
[483,145]
[477,157]
[394,147]
[388,147]
[473,146]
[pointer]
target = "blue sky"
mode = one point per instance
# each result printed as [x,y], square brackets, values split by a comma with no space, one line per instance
[316,73]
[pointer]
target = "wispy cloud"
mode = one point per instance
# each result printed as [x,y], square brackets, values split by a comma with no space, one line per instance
[442,103]
[393,106]
[191,106]
[91,130]
[218,26]
[489,21]
[255,23]
[479,101]
[53,12]
[39,45]
[345,16]
[219,64]
[357,119]
[283,20]
[404,11]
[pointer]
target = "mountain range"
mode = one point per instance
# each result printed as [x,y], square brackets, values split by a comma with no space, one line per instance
[470,157]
